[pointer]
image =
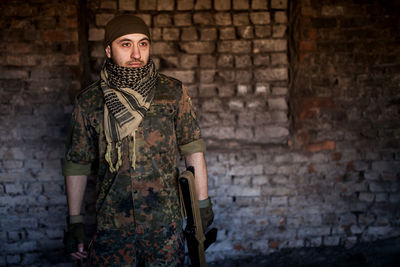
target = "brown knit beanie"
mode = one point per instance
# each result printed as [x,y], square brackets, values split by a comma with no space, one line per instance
[124,24]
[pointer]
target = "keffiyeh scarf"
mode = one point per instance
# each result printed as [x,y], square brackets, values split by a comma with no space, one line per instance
[128,93]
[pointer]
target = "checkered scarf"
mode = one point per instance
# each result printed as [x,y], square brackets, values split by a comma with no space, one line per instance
[128,93]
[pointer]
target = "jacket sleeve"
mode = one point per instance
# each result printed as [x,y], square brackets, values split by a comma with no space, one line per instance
[80,148]
[187,127]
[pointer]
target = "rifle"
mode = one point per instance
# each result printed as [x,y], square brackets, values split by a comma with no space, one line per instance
[196,240]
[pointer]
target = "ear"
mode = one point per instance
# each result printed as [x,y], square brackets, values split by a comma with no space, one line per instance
[108,51]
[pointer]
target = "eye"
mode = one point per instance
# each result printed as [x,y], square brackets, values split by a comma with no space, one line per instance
[126,44]
[143,43]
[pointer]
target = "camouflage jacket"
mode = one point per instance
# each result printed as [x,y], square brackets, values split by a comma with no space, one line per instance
[144,196]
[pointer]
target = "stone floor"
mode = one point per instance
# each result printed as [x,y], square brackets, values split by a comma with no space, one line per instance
[384,253]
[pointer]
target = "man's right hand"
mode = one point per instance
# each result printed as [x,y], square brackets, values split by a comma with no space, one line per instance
[73,241]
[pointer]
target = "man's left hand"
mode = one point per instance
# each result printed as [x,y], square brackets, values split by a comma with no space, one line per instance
[206,213]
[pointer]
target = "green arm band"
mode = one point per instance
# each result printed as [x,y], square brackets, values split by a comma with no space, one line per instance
[70,168]
[193,147]
[205,203]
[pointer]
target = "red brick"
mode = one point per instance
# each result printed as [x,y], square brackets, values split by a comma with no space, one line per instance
[259,4]
[260,18]
[222,4]
[308,46]
[225,60]
[238,247]
[198,47]
[268,45]
[337,156]
[188,61]
[280,17]
[162,20]
[321,146]
[185,4]
[127,5]
[242,61]
[165,5]
[227,33]
[310,34]
[207,61]
[279,4]
[243,76]
[156,34]
[170,34]
[183,19]
[271,74]
[148,4]
[103,19]
[146,18]
[241,4]
[207,76]
[302,137]
[261,60]
[208,34]
[279,31]
[332,11]
[203,18]
[263,31]
[309,107]
[350,167]
[241,19]
[13,74]
[163,48]
[59,36]
[21,60]
[223,19]
[317,102]
[18,23]
[109,4]
[203,4]
[96,34]
[274,244]
[236,46]
[72,59]
[19,48]
[21,10]
[68,23]
[189,34]
[246,32]
[311,168]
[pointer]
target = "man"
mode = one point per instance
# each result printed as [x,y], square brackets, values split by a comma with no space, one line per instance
[130,125]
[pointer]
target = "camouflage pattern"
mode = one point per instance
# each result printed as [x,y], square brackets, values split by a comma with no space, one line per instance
[163,247]
[134,202]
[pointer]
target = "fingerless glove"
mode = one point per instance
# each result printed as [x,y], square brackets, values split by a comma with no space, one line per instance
[206,213]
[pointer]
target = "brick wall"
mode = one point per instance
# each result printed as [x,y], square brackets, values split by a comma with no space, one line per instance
[345,103]
[39,75]
[299,154]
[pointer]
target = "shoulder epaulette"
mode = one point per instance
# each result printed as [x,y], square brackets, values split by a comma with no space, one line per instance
[92,86]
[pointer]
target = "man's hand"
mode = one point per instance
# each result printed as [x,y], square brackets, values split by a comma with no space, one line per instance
[206,213]
[73,241]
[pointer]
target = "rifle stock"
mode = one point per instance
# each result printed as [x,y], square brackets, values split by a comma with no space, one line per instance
[197,242]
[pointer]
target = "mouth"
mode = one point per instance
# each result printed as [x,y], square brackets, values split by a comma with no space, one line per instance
[136,64]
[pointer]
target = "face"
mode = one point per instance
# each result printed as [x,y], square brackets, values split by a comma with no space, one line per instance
[130,51]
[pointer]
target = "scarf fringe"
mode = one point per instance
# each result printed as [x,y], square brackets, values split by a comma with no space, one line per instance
[111,167]
[132,153]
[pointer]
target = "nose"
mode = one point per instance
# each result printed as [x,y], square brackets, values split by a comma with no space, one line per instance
[135,52]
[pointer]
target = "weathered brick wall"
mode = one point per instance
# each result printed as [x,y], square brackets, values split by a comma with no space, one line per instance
[345,107]
[39,74]
[299,154]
